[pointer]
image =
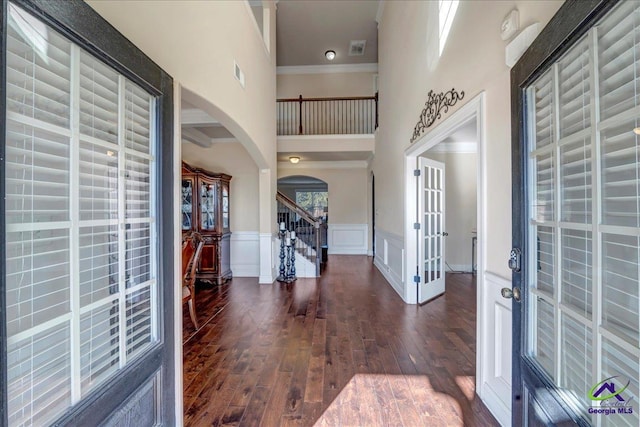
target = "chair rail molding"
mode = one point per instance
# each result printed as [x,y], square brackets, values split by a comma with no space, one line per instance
[436,105]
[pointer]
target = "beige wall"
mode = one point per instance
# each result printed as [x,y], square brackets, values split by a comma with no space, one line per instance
[460,205]
[473,61]
[197,42]
[232,159]
[325,85]
[347,192]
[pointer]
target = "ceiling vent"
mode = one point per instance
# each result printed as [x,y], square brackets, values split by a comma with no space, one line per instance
[356,47]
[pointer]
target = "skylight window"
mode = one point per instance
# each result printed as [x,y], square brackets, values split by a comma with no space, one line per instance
[446,12]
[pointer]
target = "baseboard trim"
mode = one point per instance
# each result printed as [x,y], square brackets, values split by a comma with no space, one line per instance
[386,273]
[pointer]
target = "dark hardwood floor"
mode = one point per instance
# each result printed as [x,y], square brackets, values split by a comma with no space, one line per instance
[343,350]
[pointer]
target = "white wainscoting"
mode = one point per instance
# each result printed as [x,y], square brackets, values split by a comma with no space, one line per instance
[389,259]
[495,345]
[348,239]
[245,253]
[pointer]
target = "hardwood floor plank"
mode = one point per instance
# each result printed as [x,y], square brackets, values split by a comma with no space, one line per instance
[278,400]
[341,350]
[256,407]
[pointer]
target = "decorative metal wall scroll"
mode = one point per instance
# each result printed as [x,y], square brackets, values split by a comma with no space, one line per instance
[436,105]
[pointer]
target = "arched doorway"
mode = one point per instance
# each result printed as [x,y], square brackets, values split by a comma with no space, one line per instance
[308,192]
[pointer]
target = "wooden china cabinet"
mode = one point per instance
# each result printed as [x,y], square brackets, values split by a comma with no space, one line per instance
[205,209]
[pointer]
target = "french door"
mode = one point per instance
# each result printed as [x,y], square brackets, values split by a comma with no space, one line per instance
[86,265]
[431,278]
[576,232]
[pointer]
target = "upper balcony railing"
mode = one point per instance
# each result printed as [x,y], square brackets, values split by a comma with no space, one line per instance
[327,116]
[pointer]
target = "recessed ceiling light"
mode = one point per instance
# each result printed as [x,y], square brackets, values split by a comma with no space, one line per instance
[330,55]
[636,131]
[294,159]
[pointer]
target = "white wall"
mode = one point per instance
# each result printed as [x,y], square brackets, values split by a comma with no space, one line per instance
[473,61]
[460,206]
[325,85]
[197,42]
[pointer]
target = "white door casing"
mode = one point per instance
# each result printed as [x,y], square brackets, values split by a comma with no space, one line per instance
[486,313]
[431,218]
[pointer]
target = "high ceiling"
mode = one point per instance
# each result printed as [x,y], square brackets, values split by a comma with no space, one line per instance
[306,29]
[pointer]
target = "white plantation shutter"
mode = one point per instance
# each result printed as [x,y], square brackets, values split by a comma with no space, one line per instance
[80,215]
[584,234]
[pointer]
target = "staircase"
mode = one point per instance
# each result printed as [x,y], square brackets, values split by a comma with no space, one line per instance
[311,236]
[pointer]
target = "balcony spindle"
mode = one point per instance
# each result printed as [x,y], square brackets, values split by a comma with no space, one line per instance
[324,116]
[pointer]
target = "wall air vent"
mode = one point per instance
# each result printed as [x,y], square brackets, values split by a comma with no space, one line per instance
[237,72]
[356,47]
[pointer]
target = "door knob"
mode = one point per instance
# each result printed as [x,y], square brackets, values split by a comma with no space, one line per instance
[445,234]
[511,293]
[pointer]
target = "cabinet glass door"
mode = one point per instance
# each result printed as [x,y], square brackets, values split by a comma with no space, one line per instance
[207,206]
[187,204]
[225,207]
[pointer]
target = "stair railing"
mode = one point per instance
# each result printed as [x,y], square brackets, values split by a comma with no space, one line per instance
[311,232]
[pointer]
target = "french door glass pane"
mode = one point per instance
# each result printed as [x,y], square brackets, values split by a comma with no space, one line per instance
[98,182]
[98,99]
[574,90]
[620,280]
[545,188]
[618,53]
[38,278]
[99,344]
[80,207]
[620,363]
[39,376]
[37,175]
[98,263]
[543,95]
[620,168]
[576,365]
[577,271]
[546,259]
[584,231]
[545,341]
[575,167]
[38,70]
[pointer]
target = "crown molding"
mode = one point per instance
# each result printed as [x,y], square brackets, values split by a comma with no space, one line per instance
[380,12]
[344,164]
[327,69]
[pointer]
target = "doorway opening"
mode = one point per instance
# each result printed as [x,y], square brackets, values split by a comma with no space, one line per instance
[493,325]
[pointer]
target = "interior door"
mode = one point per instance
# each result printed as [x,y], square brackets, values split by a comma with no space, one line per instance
[576,222]
[431,230]
[86,268]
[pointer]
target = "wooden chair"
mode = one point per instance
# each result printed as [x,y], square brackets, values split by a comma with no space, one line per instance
[191,251]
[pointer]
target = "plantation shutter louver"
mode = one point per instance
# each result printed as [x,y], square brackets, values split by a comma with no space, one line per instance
[584,219]
[80,214]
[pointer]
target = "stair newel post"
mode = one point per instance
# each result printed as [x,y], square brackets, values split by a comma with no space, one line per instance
[292,272]
[288,253]
[281,233]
